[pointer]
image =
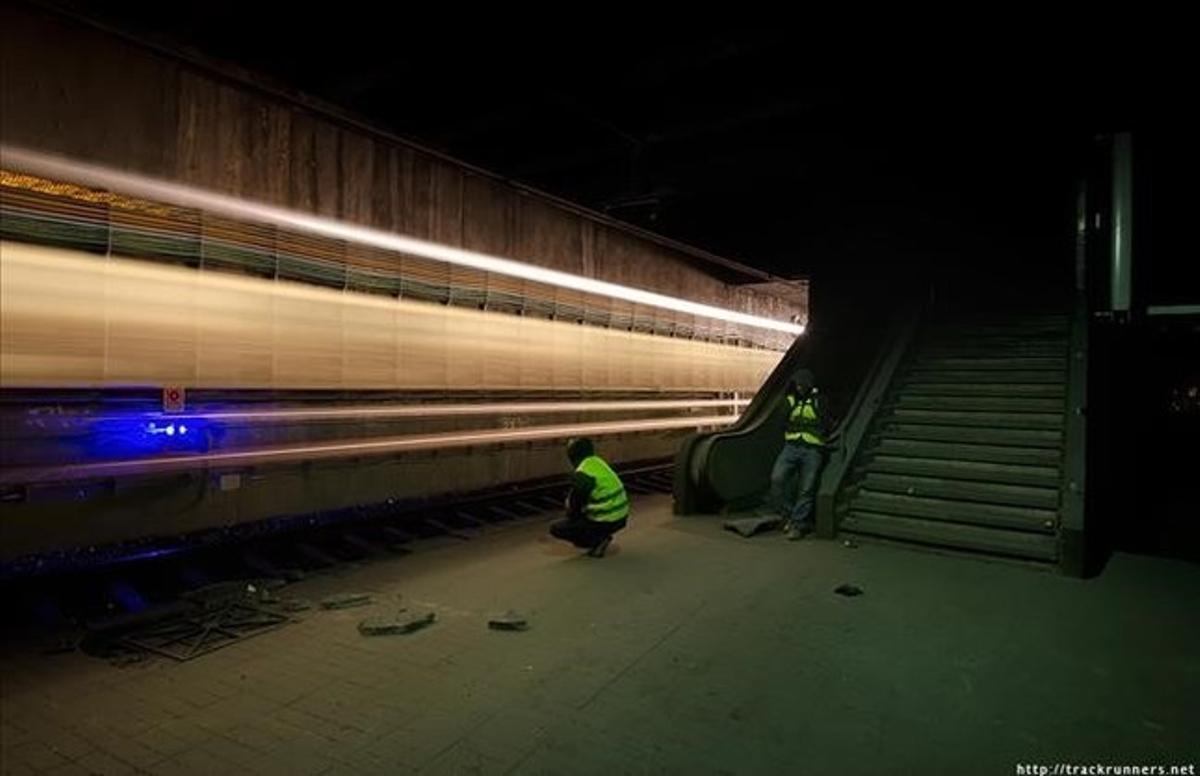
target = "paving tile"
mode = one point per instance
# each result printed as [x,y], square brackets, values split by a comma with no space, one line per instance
[106,764]
[35,755]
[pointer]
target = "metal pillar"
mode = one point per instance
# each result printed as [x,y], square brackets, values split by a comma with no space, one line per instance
[1122,224]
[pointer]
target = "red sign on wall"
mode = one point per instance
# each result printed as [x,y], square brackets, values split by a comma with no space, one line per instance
[173,398]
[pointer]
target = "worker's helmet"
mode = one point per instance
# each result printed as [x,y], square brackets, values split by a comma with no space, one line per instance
[578,449]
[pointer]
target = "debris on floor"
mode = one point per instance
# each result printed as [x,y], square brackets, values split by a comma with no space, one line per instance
[850,544]
[219,594]
[509,621]
[399,623]
[848,590]
[205,620]
[749,526]
[295,604]
[345,600]
[61,643]
[126,659]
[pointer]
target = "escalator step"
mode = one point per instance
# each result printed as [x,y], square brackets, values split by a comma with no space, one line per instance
[926,387]
[980,403]
[921,375]
[1032,349]
[1013,329]
[916,448]
[1007,420]
[993,515]
[991,362]
[1006,473]
[965,490]
[996,541]
[974,435]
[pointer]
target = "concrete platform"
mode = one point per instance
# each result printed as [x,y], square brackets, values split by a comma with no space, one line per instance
[687,650]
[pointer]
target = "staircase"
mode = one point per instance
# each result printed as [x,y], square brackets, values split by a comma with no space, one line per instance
[966,451]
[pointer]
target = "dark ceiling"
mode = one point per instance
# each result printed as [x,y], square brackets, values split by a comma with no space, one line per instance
[778,147]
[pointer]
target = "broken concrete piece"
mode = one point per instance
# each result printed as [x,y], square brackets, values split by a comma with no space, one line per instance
[510,621]
[395,624]
[749,526]
[345,600]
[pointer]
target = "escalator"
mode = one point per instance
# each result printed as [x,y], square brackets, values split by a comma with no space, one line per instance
[964,434]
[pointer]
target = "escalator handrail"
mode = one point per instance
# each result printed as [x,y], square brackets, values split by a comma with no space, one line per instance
[851,429]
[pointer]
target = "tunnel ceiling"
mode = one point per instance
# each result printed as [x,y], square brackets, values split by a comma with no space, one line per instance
[781,148]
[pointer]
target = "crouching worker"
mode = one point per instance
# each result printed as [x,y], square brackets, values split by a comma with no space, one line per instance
[597,506]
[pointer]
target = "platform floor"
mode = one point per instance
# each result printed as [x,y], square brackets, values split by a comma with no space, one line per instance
[687,650]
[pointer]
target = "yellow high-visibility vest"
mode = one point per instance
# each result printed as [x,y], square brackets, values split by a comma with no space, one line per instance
[803,423]
[607,502]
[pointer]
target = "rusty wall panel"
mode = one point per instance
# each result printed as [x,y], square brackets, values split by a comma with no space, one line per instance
[403,215]
[54,97]
[382,194]
[230,166]
[328,157]
[547,235]
[357,157]
[302,167]
[487,216]
[447,204]
[272,140]
[421,203]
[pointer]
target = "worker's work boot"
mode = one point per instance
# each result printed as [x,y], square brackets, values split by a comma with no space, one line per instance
[795,532]
[599,549]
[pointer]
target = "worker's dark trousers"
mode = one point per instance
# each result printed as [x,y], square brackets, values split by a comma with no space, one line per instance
[583,532]
[796,458]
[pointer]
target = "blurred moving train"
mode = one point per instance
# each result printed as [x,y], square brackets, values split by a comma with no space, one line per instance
[311,365]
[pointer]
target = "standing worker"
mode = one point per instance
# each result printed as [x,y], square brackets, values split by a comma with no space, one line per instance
[802,455]
[597,506]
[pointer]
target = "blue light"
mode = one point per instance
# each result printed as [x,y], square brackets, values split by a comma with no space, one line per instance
[125,434]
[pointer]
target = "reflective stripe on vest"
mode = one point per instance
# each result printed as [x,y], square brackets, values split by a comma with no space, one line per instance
[607,502]
[803,424]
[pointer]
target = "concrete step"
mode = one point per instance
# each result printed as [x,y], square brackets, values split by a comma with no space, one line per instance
[977,435]
[962,490]
[917,448]
[993,316]
[992,515]
[1019,349]
[989,362]
[919,374]
[994,341]
[912,387]
[979,471]
[979,403]
[1005,420]
[995,541]
[1005,329]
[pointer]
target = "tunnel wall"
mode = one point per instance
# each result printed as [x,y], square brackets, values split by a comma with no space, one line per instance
[73,90]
